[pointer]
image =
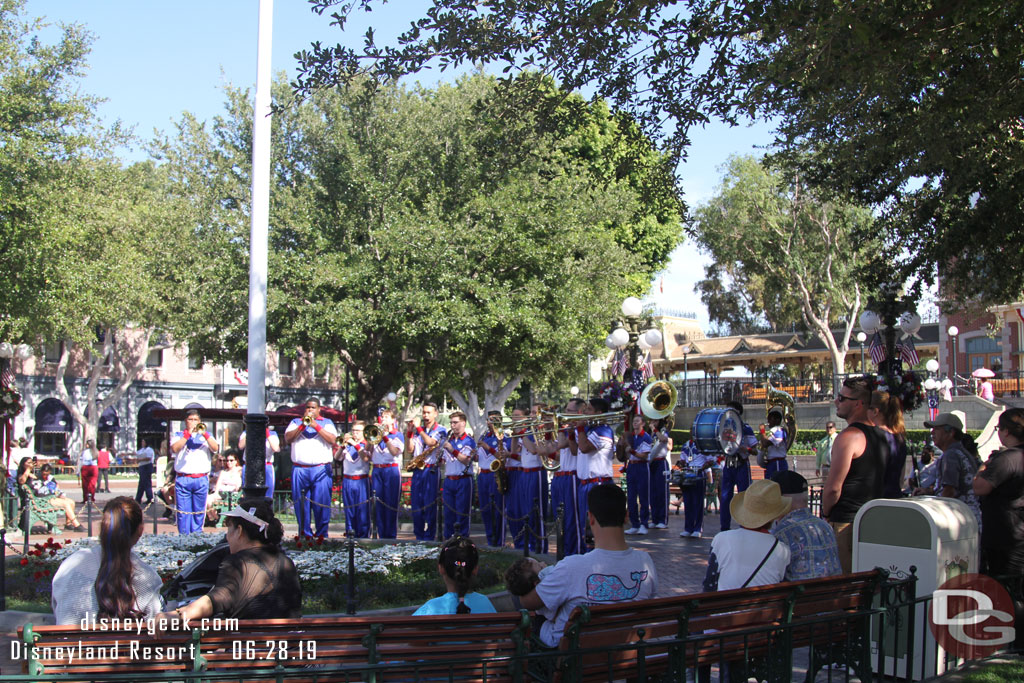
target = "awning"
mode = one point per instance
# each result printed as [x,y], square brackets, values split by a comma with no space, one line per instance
[109,421]
[149,424]
[52,416]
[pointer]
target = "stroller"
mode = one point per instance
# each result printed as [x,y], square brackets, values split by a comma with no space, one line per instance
[197,577]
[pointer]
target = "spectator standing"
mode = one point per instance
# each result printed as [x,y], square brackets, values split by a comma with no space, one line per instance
[88,471]
[612,572]
[958,464]
[813,552]
[103,466]
[886,412]
[750,555]
[823,450]
[144,458]
[457,564]
[1000,484]
[109,581]
[859,456]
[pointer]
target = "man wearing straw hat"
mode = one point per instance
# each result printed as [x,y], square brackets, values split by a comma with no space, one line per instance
[750,555]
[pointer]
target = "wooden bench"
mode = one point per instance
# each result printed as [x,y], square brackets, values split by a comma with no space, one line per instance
[472,647]
[754,627]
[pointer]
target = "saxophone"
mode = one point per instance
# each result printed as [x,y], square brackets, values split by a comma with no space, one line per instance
[420,461]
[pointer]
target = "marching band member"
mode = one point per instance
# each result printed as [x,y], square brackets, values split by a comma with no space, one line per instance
[193,451]
[736,470]
[658,464]
[564,486]
[775,439]
[638,445]
[596,449]
[387,480]
[692,460]
[513,516]
[458,474]
[492,500]
[312,454]
[532,492]
[423,489]
[272,446]
[355,484]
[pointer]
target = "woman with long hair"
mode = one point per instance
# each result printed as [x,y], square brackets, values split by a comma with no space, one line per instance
[457,564]
[26,477]
[256,580]
[1000,484]
[886,412]
[109,581]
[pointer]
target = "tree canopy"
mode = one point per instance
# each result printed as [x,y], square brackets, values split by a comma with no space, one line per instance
[802,249]
[420,233]
[909,107]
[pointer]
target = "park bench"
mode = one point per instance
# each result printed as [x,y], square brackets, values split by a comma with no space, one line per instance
[35,509]
[755,627]
[472,647]
[227,502]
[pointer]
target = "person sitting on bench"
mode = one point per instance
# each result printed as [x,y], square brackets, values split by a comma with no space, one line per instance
[57,502]
[457,565]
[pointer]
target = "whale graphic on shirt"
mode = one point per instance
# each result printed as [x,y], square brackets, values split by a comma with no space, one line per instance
[610,588]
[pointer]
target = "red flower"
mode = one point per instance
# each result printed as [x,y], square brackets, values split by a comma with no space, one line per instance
[298,545]
[46,572]
[320,541]
[24,561]
[38,575]
[181,562]
[49,540]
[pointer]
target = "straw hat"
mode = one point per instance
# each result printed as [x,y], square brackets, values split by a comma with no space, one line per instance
[759,504]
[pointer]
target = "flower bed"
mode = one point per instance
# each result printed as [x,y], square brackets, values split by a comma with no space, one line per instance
[387,574]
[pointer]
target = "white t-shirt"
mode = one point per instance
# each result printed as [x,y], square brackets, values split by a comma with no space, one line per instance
[309,448]
[600,577]
[739,551]
[145,456]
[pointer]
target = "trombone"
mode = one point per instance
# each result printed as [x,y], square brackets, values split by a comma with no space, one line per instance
[373,435]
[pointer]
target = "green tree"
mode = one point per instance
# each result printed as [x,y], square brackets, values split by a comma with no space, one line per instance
[803,247]
[912,108]
[419,233]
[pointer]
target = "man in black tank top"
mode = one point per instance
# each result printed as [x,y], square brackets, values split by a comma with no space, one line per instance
[859,455]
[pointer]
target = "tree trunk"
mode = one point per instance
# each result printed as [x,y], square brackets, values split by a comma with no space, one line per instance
[496,392]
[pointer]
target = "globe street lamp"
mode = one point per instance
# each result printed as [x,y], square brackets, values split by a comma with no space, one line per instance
[861,338]
[627,334]
[953,331]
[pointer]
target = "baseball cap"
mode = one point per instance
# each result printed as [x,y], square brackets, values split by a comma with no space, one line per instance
[790,482]
[945,420]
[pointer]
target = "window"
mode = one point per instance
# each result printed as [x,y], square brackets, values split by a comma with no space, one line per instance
[52,352]
[195,362]
[155,358]
[51,443]
[983,352]
[285,365]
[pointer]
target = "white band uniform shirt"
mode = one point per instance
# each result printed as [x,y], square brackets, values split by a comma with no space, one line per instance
[194,457]
[309,448]
[354,465]
[271,443]
[599,462]
[777,443]
[464,446]
[381,455]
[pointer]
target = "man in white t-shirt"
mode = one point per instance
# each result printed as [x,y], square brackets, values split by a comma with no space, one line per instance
[750,555]
[612,572]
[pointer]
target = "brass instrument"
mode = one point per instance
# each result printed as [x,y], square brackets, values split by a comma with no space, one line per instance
[373,435]
[200,428]
[420,461]
[307,420]
[658,400]
[778,399]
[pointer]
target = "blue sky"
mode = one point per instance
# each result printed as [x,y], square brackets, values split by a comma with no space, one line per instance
[152,61]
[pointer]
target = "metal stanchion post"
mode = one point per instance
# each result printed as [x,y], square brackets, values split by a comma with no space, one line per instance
[152,506]
[559,536]
[26,526]
[439,536]
[351,543]
[88,515]
[3,568]
[373,513]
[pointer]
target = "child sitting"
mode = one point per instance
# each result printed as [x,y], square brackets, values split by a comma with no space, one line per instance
[47,485]
[457,566]
[524,574]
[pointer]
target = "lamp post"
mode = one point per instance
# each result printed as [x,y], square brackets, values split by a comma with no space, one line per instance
[953,332]
[627,333]
[686,371]
[861,338]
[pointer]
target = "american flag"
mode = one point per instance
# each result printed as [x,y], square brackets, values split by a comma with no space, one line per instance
[619,364]
[648,368]
[908,353]
[877,349]
[933,406]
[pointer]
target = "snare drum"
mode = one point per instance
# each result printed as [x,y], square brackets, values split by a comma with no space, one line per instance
[718,431]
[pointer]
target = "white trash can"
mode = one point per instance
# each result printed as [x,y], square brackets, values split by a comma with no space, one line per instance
[937,535]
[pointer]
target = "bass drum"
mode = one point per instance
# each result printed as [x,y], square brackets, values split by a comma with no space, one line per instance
[718,431]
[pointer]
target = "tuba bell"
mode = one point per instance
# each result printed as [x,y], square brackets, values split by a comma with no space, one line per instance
[776,399]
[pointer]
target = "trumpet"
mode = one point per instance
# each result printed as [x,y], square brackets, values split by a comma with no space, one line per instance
[307,420]
[200,428]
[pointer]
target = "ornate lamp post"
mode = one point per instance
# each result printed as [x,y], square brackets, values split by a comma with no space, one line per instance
[953,331]
[861,338]
[627,334]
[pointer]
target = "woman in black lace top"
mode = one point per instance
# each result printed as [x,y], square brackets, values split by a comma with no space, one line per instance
[257,580]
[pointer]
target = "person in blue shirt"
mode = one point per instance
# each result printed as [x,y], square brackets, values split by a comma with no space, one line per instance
[637,445]
[457,565]
[424,485]
[492,500]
